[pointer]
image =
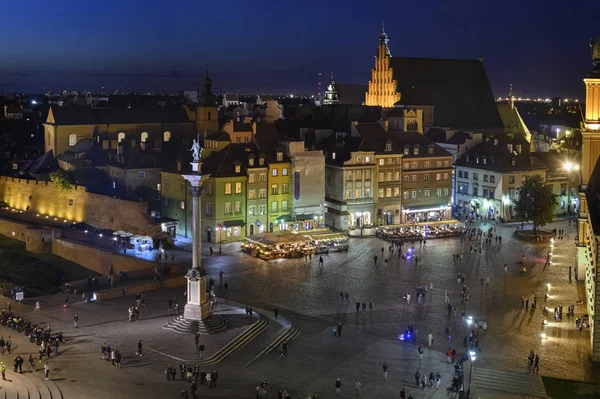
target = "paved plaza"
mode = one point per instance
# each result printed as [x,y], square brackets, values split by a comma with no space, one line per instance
[308,298]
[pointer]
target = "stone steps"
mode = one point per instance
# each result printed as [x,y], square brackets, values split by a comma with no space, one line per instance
[503,381]
[210,325]
[28,386]
[238,342]
[286,336]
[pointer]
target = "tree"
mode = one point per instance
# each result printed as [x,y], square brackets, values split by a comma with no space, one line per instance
[535,202]
[61,181]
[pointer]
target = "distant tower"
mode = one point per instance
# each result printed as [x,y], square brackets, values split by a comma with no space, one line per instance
[331,95]
[319,98]
[383,88]
[511,98]
[207,112]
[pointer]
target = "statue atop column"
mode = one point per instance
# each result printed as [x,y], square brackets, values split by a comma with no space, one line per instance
[196,149]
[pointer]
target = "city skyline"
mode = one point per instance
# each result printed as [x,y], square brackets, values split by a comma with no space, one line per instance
[263,50]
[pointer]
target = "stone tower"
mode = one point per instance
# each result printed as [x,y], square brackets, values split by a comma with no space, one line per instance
[207,113]
[382,87]
[331,94]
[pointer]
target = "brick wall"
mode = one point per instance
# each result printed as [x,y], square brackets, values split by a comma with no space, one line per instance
[78,205]
[96,259]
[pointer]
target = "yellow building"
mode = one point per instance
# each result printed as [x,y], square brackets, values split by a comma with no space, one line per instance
[65,126]
[279,191]
[589,218]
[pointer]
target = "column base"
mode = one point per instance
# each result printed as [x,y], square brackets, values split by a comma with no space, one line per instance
[197,312]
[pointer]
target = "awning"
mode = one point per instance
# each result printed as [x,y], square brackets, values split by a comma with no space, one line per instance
[426,208]
[234,223]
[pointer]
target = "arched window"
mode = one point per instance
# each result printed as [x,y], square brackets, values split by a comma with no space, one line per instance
[144,137]
[166,136]
[72,139]
[121,137]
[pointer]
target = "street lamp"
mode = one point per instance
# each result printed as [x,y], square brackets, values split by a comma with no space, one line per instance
[473,355]
[220,230]
[571,167]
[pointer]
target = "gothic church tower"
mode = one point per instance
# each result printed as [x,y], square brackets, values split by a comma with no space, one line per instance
[382,87]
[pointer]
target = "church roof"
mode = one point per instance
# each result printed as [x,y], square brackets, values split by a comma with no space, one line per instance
[351,94]
[459,90]
[499,158]
[109,116]
[513,124]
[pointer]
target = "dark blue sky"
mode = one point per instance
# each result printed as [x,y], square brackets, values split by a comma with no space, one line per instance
[279,46]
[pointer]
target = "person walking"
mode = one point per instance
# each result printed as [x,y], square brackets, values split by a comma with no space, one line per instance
[37,307]
[420,350]
[31,362]
[338,386]
[276,312]
[201,350]
[339,330]
[140,347]
[358,386]
[118,359]
[536,365]
[438,380]
[75,320]
[385,370]
[8,344]
[430,339]
[3,370]
[46,371]
[417,377]
[320,261]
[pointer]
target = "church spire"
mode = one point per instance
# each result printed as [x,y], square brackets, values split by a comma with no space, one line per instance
[383,39]
[206,97]
[511,97]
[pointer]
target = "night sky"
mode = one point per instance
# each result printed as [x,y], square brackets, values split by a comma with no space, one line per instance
[280,46]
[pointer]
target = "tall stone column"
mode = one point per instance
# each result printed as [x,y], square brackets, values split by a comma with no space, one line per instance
[197,306]
[196,234]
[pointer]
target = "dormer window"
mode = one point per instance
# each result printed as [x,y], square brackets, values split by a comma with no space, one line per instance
[430,150]
[416,150]
[261,160]
[388,146]
[358,159]
[406,150]
[178,165]
[279,156]
[251,161]
[238,168]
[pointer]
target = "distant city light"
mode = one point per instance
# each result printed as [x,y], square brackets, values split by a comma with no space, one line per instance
[33,102]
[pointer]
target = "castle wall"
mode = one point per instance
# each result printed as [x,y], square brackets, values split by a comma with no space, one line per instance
[78,205]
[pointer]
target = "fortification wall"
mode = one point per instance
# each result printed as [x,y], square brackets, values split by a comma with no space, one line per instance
[76,206]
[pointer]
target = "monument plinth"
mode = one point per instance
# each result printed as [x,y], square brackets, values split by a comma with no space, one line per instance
[197,310]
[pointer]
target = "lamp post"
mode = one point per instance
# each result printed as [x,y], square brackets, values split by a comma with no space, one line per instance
[220,230]
[570,167]
[473,355]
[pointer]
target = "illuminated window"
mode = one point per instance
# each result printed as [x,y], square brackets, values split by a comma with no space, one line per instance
[144,137]
[238,188]
[227,188]
[120,137]
[72,140]
[166,136]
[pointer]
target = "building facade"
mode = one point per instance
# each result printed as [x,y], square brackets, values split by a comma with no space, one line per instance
[489,175]
[588,240]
